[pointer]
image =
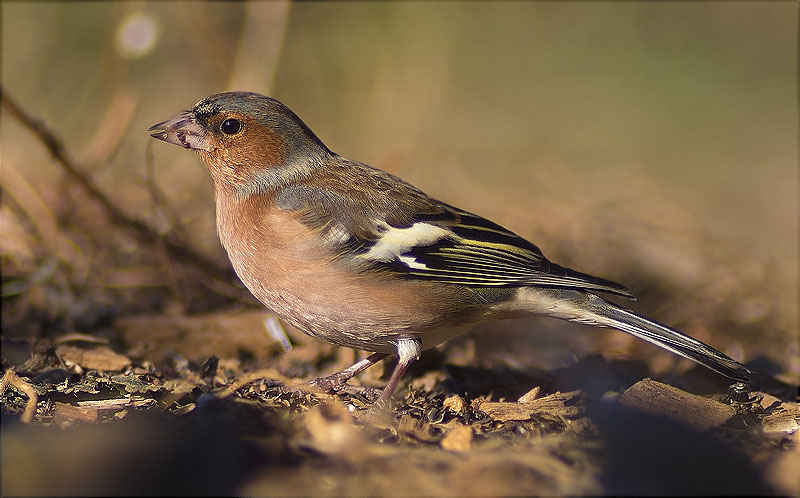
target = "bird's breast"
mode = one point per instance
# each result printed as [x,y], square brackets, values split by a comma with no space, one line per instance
[291,271]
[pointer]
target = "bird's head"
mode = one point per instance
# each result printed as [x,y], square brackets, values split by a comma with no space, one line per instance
[249,142]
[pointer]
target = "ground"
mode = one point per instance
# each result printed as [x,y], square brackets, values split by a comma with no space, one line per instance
[128,415]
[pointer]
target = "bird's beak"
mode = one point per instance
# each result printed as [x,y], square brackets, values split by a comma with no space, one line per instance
[183,130]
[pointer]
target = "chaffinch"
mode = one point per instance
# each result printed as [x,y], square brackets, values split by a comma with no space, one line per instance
[357,257]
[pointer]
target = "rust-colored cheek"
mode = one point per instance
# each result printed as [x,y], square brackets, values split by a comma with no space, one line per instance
[260,147]
[235,161]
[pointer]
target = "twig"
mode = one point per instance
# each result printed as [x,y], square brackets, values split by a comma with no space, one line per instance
[146,233]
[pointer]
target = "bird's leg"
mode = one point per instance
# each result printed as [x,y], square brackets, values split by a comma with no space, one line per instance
[337,382]
[408,350]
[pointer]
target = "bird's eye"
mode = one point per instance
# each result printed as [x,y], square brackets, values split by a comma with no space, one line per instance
[231,126]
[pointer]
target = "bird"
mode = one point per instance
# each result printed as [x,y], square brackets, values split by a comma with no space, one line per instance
[357,257]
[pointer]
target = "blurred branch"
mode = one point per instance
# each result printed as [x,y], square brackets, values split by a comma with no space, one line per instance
[41,217]
[159,198]
[146,233]
[261,40]
[111,129]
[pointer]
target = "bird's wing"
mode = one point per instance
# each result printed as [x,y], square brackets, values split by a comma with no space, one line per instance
[402,230]
[462,248]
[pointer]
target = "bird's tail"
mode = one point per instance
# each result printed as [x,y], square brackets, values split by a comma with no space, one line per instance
[672,340]
[591,309]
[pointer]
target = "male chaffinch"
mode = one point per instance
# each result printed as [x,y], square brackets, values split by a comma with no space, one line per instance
[357,257]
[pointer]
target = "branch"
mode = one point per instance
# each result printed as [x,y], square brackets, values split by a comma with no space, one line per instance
[144,231]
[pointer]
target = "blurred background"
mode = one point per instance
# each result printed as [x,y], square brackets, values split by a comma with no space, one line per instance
[653,144]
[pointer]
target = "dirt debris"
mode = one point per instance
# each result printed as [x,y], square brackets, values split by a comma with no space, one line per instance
[432,441]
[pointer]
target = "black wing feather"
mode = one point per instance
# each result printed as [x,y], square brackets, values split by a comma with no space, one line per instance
[480,253]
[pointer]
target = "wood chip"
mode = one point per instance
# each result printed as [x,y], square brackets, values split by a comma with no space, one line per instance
[78,337]
[331,429]
[695,411]
[530,396]
[10,378]
[115,404]
[65,414]
[552,404]
[782,417]
[505,412]
[458,439]
[556,403]
[99,358]
[416,428]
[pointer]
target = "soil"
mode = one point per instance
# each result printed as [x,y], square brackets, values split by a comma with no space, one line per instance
[213,404]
